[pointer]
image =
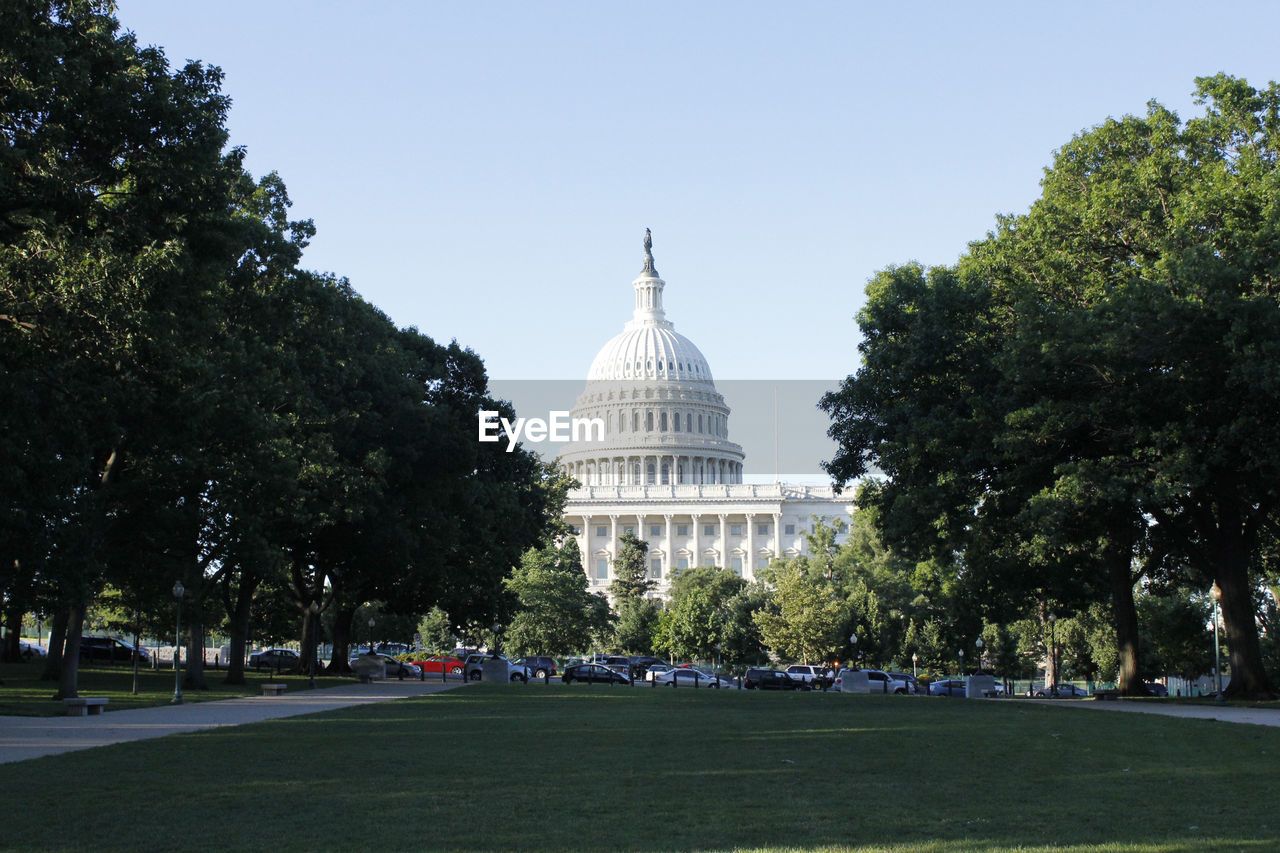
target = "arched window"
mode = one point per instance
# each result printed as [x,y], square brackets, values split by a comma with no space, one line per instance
[651,474]
[648,421]
[662,422]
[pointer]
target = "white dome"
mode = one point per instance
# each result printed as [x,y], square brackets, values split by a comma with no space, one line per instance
[650,352]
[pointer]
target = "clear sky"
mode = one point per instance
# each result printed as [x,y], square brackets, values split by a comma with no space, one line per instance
[485,171]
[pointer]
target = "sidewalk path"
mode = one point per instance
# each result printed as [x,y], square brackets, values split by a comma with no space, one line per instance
[1223,713]
[30,737]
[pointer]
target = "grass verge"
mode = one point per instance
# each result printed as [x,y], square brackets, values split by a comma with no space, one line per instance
[496,767]
[23,694]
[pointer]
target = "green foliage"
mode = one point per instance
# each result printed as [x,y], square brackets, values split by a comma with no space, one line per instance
[804,628]
[630,573]
[703,619]
[556,615]
[1092,386]
[436,631]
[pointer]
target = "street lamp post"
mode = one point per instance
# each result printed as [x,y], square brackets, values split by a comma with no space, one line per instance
[1216,594]
[178,590]
[853,641]
[915,659]
[978,643]
[315,650]
[370,635]
[962,663]
[1053,654]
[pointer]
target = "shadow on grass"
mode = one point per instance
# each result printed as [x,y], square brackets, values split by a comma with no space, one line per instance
[553,768]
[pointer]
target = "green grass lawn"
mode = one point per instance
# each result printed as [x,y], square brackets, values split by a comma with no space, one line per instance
[499,767]
[24,694]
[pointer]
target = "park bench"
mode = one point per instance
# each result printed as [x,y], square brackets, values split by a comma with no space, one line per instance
[274,689]
[85,705]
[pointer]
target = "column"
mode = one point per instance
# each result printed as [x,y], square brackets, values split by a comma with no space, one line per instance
[724,542]
[669,552]
[613,540]
[697,532]
[777,535]
[749,562]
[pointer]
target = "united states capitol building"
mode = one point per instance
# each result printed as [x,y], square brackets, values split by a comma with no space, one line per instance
[666,469]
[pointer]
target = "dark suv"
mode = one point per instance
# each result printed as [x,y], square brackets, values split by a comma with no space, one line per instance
[110,649]
[771,679]
[539,666]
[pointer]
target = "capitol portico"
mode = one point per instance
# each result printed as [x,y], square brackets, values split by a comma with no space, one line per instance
[665,469]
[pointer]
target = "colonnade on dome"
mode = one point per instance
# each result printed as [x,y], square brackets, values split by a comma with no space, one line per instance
[650,469]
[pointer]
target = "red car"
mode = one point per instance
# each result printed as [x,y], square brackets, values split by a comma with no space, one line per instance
[440,664]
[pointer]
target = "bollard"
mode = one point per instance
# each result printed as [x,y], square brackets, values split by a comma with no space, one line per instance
[653,682]
[422,672]
[442,673]
[695,680]
[546,676]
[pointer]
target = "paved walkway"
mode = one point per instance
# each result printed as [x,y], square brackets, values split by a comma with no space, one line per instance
[30,737]
[1224,713]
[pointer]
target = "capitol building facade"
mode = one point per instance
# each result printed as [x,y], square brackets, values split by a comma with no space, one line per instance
[665,469]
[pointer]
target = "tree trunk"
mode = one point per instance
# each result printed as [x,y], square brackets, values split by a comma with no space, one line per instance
[13,630]
[57,640]
[1248,676]
[1125,616]
[239,626]
[68,678]
[307,641]
[193,676]
[342,620]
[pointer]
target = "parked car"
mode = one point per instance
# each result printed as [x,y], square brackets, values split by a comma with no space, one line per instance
[275,659]
[474,667]
[593,673]
[878,681]
[807,673]
[538,666]
[440,664]
[913,686]
[31,651]
[1155,688]
[771,679]
[395,668]
[947,687]
[652,672]
[687,677]
[640,665]
[110,649]
[1064,690]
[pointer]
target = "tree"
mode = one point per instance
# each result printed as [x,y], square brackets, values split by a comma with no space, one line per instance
[698,622]
[804,628]
[631,579]
[555,610]
[1108,360]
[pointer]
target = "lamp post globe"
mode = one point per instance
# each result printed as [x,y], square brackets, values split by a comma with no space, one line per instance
[178,591]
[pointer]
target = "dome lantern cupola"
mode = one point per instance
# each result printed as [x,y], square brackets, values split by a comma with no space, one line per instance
[648,285]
